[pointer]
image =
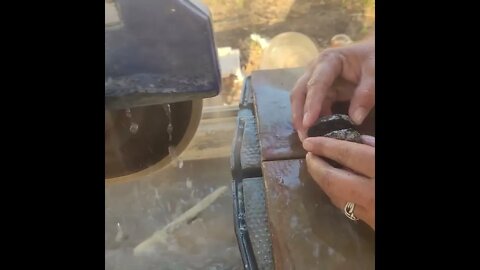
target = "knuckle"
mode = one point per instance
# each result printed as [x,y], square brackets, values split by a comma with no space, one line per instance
[328,54]
[367,91]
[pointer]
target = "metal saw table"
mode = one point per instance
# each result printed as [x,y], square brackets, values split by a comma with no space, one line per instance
[283,220]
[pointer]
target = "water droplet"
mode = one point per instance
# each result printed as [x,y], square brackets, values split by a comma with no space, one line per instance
[119,237]
[188,183]
[128,113]
[157,196]
[316,250]
[133,128]
[170,131]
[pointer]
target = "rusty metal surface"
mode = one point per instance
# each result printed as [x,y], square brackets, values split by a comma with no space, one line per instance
[271,89]
[308,232]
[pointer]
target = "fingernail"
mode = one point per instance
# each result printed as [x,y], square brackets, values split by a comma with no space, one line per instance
[358,115]
[301,135]
[368,140]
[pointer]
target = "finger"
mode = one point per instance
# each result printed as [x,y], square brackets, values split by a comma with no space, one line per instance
[327,106]
[343,89]
[359,211]
[368,140]
[302,135]
[363,98]
[355,156]
[338,183]
[326,71]
[297,100]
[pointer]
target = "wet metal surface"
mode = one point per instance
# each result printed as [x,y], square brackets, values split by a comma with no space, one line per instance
[271,89]
[308,232]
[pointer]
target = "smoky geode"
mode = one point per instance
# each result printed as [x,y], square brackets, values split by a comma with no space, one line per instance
[337,126]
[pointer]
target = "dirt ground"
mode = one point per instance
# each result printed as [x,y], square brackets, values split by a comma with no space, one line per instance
[235,20]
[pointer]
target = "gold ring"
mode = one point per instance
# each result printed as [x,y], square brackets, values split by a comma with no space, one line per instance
[349,208]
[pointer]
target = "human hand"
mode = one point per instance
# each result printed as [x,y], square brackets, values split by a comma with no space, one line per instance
[353,183]
[338,74]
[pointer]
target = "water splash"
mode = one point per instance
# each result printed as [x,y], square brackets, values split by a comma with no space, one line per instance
[173,153]
[171,148]
[157,195]
[168,112]
[128,113]
[133,126]
[188,183]
[170,131]
[120,235]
